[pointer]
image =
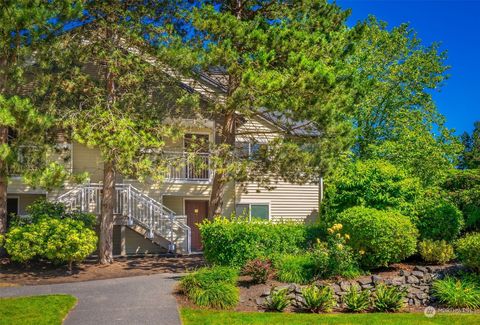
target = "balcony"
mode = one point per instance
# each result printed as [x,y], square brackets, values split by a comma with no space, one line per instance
[188,167]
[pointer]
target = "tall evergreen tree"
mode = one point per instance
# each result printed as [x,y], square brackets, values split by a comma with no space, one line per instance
[279,60]
[25,25]
[470,157]
[115,96]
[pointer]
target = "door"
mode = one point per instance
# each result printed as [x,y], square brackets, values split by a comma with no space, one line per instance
[196,211]
[12,208]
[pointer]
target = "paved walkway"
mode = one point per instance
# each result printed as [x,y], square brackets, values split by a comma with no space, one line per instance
[135,300]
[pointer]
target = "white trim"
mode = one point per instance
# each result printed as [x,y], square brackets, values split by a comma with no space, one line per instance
[187,181]
[255,202]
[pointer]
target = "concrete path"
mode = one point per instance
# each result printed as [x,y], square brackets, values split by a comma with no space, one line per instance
[135,300]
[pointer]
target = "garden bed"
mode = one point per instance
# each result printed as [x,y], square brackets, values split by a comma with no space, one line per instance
[47,273]
[415,278]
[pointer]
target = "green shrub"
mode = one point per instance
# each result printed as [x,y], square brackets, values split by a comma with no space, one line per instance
[259,269]
[380,237]
[58,240]
[295,268]
[388,299]
[212,287]
[206,276]
[278,300]
[468,251]
[42,208]
[235,241]
[318,299]
[215,295]
[376,184]
[320,255]
[334,257]
[439,220]
[437,252]
[463,188]
[356,300]
[457,293]
[342,261]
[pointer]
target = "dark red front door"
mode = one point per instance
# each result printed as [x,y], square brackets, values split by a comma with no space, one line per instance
[196,211]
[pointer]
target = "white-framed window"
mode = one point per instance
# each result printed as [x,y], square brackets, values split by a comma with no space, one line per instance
[253,210]
[247,149]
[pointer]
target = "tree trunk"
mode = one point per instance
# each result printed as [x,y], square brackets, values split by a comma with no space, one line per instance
[105,249]
[221,178]
[3,184]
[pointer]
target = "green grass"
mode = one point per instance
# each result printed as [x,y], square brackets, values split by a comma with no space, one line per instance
[200,317]
[35,310]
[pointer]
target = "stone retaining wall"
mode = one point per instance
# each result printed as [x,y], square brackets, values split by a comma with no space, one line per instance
[417,282]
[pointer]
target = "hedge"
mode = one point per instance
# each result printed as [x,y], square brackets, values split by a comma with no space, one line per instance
[235,241]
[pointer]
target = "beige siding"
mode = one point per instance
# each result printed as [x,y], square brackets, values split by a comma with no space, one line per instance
[157,190]
[87,160]
[174,203]
[24,200]
[229,199]
[287,201]
[16,186]
[257,129]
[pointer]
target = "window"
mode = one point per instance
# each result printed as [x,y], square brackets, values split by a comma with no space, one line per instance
[248,149]
[255,210]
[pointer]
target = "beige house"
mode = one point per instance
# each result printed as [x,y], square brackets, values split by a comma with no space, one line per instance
[153,217]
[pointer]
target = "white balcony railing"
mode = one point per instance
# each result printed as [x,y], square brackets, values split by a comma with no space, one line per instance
[186,166]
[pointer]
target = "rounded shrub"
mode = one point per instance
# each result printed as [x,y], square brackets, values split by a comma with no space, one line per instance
[439,220]
[379,237]
[468,251]
[58,240]
[437,252]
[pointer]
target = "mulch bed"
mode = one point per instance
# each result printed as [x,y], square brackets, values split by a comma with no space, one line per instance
[249,292]
[46,273]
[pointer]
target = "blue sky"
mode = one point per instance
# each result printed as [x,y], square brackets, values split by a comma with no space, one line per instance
[453,23]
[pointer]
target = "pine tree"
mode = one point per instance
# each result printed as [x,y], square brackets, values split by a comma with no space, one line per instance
[25,25]
[470,157]
[279,60]
[115,96]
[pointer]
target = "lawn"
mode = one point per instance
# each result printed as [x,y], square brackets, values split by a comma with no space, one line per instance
[35,310]
[198,317]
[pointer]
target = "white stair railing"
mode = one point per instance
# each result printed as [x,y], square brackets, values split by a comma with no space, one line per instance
[139,209]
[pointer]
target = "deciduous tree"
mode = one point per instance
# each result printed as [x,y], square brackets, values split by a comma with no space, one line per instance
[396,118]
